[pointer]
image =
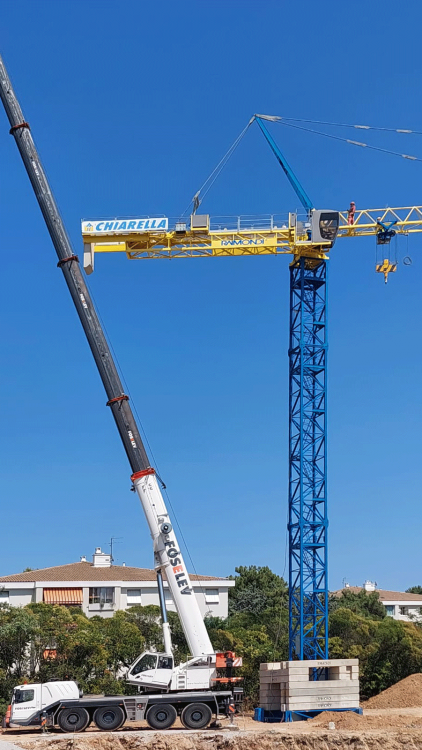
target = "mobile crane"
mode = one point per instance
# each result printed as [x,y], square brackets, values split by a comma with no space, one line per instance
[168,690]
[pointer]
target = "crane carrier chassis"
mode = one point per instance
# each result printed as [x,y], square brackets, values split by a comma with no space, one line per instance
[195,710]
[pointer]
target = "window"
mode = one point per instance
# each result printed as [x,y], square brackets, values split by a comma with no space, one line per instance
[23,696]
[101,595]
[4,597]
[133,597]
[404,610]
[390,610]
[212,596]
[147,661]
[168,597]
[165,662]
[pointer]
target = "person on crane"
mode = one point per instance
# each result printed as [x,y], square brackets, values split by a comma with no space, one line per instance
[351,213]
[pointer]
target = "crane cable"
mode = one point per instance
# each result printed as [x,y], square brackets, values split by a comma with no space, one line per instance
[280,121]
[349,125]
[288,121]
[196,200]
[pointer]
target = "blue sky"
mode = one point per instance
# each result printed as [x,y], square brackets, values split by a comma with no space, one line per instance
[131,107]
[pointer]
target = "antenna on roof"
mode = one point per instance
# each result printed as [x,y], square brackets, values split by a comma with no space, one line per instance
[113,539]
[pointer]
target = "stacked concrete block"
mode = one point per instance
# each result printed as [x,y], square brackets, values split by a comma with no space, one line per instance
[291,685]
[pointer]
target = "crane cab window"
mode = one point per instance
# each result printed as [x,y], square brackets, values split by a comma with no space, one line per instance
[148,661]
[165,662]
[23,696]
[328,225]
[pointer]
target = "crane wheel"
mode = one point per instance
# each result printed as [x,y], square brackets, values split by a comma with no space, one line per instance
[109,718]
[161,716]
[73,719]
[196,716]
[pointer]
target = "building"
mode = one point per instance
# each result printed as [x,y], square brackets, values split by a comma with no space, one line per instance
[101,588]
[398,604]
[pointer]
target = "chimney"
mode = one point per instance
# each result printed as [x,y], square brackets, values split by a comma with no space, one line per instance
[100,559]
[369,586]
[83,558]
[123,565]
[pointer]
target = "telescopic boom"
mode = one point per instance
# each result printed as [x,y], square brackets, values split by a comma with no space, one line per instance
[168,557]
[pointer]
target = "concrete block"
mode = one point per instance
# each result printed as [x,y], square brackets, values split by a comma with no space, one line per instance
[290,692]
[270,679]
[335,702]
[295,665]
[271,696]
[313,706]
[271,705]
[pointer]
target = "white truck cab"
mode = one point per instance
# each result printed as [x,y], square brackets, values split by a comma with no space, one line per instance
[28,699]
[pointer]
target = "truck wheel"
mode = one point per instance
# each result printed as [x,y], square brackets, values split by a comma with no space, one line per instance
[196,716]
[109,717]
[161,716]
[73,719]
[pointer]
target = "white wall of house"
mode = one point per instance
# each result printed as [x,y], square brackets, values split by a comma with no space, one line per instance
[18,597]
[212,596]
[213,599]
[407,611]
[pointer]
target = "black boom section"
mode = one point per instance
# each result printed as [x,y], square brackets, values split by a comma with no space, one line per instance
[69,264]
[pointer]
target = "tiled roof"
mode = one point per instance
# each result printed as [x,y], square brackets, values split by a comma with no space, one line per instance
[385,596]
[85,571]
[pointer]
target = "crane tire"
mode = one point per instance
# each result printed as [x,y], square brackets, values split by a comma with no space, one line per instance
[109,718]
[161,716]
[196,716]
[73,719]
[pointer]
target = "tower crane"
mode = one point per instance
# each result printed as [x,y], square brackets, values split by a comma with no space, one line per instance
[309,239]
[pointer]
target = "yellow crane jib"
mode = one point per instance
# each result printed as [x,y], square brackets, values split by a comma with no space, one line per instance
[200,236]
[203,236]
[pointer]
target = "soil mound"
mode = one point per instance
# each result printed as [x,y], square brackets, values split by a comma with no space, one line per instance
[350,720]
[404,694]
[342,720]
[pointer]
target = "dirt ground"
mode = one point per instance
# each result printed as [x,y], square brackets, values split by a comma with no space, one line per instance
[391,720]
[378,729]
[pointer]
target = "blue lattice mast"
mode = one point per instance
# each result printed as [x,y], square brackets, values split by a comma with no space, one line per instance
[308,594]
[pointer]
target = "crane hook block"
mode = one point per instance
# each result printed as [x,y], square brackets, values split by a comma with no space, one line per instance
[386,267]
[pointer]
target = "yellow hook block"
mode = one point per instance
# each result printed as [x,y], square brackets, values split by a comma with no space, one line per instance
[386,267]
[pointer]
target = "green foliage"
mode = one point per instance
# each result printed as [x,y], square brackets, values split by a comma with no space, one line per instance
[414,590]
[363,603]
[388,650]
[396,653]
[257,625]
[147,620]
[44,641]
[256,591]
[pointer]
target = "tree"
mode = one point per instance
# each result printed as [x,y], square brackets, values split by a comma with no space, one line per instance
[363,602]
[396,653]
[256,590]
[147,620]
[414,590]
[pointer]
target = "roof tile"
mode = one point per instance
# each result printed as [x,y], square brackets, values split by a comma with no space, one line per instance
[85,571]
[385,596]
